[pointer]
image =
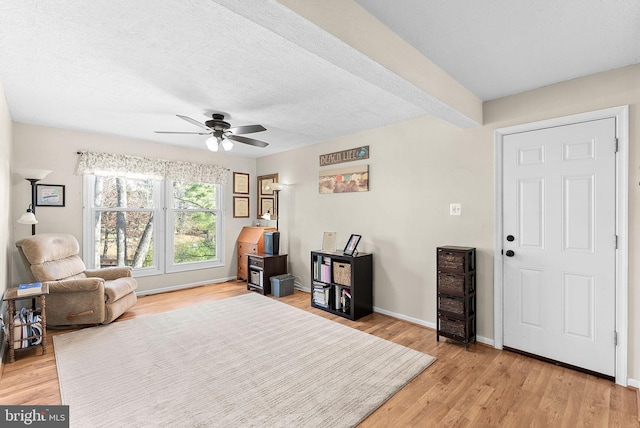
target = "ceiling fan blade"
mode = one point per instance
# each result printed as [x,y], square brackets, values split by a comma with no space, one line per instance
[193,121]
[247,140]
[247,129]
[179,132]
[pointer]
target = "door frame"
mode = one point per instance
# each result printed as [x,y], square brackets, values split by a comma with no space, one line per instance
[621,114]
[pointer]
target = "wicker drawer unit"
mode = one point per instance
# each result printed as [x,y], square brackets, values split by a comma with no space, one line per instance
[456,282]
[456,329]
[457,307]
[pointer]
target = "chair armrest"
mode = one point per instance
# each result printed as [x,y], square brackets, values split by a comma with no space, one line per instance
[76,285]
[109,273]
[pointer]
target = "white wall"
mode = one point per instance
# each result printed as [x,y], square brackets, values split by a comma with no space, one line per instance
[6,240]
[416,169]
[55,149]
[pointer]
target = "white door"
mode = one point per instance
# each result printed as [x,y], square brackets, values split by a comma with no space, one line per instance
[559,216]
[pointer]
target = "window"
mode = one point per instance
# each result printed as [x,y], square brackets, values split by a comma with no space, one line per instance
[193,219]
[153,226]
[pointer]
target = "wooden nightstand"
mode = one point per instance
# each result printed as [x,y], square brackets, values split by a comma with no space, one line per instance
[261,268]
[11,296]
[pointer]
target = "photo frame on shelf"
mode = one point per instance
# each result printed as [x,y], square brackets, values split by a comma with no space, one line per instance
[241,183]
[50,195]
[329,242]
[240,206]
[265,195]
[352,244]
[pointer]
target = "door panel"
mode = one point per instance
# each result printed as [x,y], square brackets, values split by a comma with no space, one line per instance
[578,211]
[559,203]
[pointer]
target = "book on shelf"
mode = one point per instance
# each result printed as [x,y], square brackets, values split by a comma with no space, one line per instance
[322,269]
[29,289]
[325,273]
[346,300]
[321,294]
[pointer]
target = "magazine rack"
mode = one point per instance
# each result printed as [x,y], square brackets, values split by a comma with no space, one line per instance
[11,296]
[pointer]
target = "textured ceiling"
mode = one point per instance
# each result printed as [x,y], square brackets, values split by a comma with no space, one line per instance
[126,68]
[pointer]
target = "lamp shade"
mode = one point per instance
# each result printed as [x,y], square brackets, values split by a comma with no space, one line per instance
[212,144]
[227,144]
[28,218]
[33,174]
[275,186]
[266,216]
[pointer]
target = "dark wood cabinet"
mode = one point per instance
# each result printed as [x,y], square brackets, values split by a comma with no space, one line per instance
[261,268]
[342,285]
[456,283]
[250,241]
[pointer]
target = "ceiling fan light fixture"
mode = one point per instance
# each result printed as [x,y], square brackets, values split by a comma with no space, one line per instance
[212,144]
[226,144]
[218,129]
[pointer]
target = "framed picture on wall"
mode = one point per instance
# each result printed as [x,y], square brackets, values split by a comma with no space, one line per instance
[240,206]
[266,194]
[241,183]
[267,207]
[49,195]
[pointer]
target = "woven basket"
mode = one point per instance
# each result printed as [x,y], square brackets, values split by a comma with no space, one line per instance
[451,261]
[342,273]
[455,327]
[451,283]
[455,306]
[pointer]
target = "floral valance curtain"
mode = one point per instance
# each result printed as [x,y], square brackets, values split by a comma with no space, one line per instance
[113,165]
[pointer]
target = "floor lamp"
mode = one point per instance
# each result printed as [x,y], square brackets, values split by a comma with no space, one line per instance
[32,176]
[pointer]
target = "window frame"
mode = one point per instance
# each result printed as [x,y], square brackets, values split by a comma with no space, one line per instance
[162,230]
[170,264]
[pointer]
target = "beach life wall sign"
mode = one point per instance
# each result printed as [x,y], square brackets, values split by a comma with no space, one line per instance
[342,156]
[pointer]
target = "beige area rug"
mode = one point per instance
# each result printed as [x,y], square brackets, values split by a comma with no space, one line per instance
[245,361]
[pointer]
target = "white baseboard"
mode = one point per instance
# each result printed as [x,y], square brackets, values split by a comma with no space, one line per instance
[182,286]
[418,321]
[634,383]
[424,323]
[301,287]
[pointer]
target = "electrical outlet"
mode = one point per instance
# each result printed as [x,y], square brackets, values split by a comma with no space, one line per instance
[455,209]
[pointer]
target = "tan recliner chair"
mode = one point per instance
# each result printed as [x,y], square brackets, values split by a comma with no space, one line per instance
[77,296]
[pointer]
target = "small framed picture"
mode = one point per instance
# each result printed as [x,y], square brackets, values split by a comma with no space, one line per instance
[264,182]
[266,206]
[241,183]
[266,194]
[49,195]
[240,206]
[350,248]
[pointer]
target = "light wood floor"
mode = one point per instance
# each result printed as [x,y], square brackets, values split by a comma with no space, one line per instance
[483,387]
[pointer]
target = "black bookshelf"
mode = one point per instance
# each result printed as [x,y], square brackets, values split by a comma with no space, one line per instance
[342,285]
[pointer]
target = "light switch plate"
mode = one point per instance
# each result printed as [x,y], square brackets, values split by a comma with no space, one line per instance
[455,209]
